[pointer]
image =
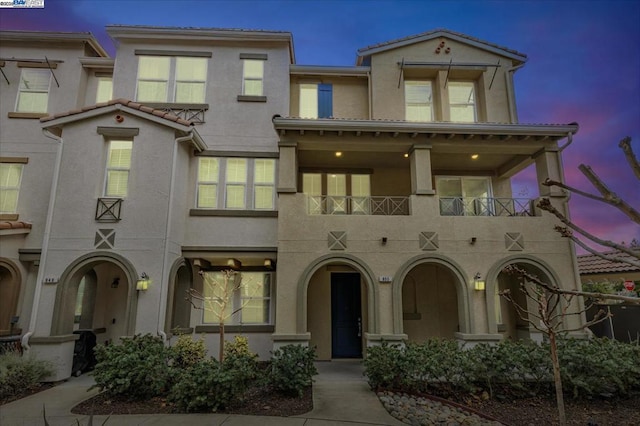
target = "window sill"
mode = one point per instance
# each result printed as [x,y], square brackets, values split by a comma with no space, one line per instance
[9,216]
[233,213]
[251,98]
[234,328]
[28,115]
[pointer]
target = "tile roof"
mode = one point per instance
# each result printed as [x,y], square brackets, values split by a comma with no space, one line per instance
[10,224]
[124,102]
[592,264]
[440,30]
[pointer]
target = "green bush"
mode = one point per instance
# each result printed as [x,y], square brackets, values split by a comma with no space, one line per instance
[137,368]
[187,352]
[384,366]
[18,373]
[240,362]
[292,369]
[205,387]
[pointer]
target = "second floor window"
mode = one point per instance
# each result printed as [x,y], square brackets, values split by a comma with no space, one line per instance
[33,92]
[10,177]
[253,75]
[462,101]
[418,99]
[104,92]
[171,79]
[118,167]
[337,193]
[236,183]
[316,100]
[463,195]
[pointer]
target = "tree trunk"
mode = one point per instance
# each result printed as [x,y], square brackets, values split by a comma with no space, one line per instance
[221,352]
[562,417]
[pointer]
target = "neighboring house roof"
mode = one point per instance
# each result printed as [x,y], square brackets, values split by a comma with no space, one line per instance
[156,115]
[592,264]
[429,35]
[54,37]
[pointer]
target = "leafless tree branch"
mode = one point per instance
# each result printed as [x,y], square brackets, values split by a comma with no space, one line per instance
[625,145]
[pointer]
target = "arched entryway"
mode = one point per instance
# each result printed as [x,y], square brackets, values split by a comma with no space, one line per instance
[339,306]
[10,282]
[178,305]
[97,292]
[503,314]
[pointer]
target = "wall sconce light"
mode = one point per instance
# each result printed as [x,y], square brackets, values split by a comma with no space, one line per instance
[478,282]
[234,263]
[115,283]
[143,282]
[473,240]
[384,241]
[269,263]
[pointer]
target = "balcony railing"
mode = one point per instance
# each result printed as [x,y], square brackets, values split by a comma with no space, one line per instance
[459,206]
[191,112]
[108,209]
[348,205]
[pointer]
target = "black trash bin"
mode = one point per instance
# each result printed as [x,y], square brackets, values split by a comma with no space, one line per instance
[84,358]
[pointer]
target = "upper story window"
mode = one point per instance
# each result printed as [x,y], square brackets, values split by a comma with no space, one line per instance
[418,98]
[104,92]
[463,195]
[337,193]
[10,177]
[462,101]
[171,79]
[316,100]
[253,75]
[33,92]
[236,183]
[118,167]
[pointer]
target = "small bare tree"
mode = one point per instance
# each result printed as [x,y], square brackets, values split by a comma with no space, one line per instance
[217,297]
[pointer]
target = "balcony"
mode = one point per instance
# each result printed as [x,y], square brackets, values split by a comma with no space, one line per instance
[350,205]
[460,206]
[190,112]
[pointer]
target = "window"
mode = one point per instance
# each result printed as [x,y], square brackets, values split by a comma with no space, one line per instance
[247,183]
[345,193]
[418,98]
[253,76]
[462,103]
[33,92]
[460,196]
[118,166]
[245,298]
[155,82]
[104,93]
[316,100]
[10,177]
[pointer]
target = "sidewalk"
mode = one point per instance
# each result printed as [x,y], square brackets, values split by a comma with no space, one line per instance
[341,397]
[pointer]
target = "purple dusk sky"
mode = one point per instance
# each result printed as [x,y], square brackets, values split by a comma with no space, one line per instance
[584,62]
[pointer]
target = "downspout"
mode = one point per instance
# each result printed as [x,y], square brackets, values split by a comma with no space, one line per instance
[513,112]
[45,240]
[370,94]
[164,283]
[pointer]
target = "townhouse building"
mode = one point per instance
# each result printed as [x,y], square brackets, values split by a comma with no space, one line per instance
[357,204]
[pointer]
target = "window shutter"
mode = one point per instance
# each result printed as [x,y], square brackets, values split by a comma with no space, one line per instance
[325,100]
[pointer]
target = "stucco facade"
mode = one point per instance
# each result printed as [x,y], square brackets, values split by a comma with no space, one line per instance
[315,183]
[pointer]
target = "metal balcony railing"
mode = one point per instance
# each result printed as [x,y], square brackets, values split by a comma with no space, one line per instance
[108,209]
[191,112]
[348,205]
[460,206]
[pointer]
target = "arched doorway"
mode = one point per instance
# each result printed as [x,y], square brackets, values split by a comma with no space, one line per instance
[178,306]
[10,280]
[96,292]
[430,303]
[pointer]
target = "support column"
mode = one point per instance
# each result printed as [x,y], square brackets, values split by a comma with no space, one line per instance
[548,165]
[288,167]
[421,178]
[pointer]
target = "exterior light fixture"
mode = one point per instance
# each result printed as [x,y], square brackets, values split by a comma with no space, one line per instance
[234,263]
[478,282]
[143,282]
[474,156]
[406,155]
[115,283]
[269,263]
[338,153]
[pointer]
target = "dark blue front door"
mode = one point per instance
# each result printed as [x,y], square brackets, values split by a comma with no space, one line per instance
[346,318]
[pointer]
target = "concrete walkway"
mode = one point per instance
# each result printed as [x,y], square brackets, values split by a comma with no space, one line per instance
[341,397]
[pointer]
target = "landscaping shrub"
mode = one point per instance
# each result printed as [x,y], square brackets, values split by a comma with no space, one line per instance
[187,352]
[292,369]
[137,368]
[18,373]
[384,366]
[240,362]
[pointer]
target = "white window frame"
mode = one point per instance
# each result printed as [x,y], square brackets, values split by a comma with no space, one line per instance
[238,181]
[4,188]
[22,89]
[252,78]
[117,169]
[237,299]
[472,102]
[249,184]
[266,184]
[104,86]
[214,181]
[428,103]
[172,80]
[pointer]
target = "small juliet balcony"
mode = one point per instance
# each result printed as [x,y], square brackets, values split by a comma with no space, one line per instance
[463,206]
[351,205]
[190,112]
